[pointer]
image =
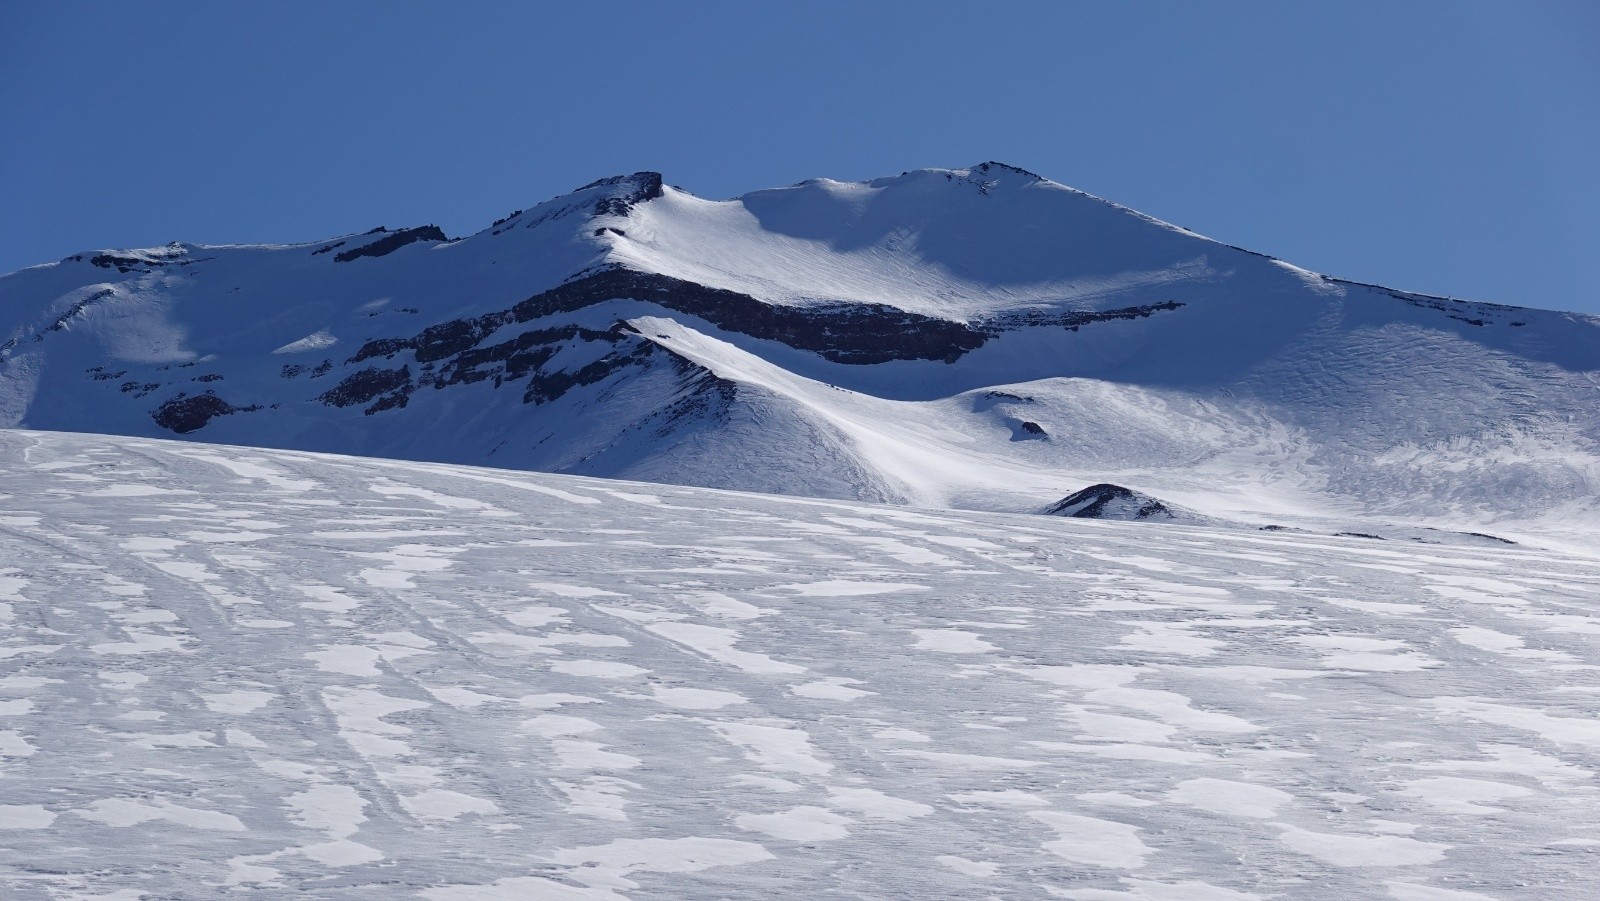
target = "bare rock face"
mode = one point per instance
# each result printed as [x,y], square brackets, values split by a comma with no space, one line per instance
[188,413]
[389,387]
[391,242]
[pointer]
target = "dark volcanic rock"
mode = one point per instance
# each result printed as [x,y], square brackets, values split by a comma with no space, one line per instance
[465,351]
[72,313]
[173,254]
[184,414]
[646,186]
[391,242]
[1107,501]
[843,332]
[1072,320]
[856,333]
[707,396]
[361,387]
[548,386]
[121,264]
[513,359]
[394,400]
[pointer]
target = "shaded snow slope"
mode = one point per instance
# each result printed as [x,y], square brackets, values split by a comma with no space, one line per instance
[980,338]
[266,673]
[961,243]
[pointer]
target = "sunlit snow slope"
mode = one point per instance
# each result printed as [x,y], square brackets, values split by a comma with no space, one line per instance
[226,670]
[980,338]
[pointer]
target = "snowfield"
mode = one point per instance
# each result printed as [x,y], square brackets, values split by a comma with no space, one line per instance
[244,671]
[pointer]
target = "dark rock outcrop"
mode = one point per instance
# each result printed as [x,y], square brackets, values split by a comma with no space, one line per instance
[187,413]
[841,332]
[363,386]
[644,186]
[1107,501]
[173,254]
[1072,320]
[74,311]
[391,242]
[545,387]
[120,263]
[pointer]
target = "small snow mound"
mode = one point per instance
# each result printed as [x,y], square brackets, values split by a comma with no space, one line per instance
[1107,501]
[320,340]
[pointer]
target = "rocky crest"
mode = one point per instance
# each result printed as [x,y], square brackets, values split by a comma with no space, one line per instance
[1107,501]
[188,413]
[391,242]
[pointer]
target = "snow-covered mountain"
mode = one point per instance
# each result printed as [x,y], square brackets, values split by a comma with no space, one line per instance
[234,672]
[981,338]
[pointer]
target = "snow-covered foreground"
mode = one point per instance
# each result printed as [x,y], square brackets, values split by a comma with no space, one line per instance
[271,672]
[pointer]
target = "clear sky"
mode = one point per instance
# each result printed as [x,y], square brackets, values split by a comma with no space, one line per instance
[1448,147]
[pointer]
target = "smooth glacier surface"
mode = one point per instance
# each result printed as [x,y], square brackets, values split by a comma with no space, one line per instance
[241,671]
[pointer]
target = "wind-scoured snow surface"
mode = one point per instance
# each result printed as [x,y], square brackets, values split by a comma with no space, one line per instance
[234,670]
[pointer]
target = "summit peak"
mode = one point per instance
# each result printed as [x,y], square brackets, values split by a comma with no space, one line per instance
[995,166]
[646,180]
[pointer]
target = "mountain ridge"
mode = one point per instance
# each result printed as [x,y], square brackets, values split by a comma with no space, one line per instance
[649,185]
[894,339]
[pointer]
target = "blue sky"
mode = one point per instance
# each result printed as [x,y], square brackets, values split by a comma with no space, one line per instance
[1447,147]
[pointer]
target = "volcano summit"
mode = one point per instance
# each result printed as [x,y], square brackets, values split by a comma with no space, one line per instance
[978,338]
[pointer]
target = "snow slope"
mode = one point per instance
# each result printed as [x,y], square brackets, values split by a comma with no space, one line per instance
[263,673]
[981,338]
[963,243]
